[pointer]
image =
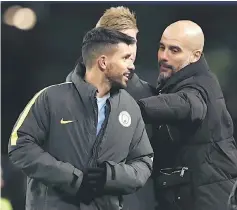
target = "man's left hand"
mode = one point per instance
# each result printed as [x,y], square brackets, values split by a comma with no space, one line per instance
[92,184]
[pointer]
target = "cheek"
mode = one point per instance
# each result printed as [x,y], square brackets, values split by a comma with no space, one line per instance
[162,56]
[184,62]
[110,70]
[117,68]
[177,61]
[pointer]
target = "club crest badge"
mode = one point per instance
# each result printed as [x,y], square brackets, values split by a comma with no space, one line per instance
[125,119]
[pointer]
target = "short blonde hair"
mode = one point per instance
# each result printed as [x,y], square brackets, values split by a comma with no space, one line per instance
[118,18]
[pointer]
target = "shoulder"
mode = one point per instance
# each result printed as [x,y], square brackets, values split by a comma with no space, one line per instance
[127,96]
[128,99]
[52,91]
[60,88]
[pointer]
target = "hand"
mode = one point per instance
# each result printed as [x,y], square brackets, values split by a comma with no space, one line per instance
[92,184]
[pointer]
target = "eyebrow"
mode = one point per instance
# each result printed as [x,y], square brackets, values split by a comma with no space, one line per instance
[172,46]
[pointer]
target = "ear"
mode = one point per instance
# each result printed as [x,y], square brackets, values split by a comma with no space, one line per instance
[196,56]
[102,62]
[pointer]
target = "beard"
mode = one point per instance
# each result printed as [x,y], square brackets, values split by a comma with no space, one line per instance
[164,76]
[115,79]
[116,85]
[115,82]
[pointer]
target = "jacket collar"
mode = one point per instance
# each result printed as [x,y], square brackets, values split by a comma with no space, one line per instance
[77,78]
[198,68]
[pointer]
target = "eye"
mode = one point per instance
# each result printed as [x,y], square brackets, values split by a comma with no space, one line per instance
[161,47]
[127,57]
[175,50]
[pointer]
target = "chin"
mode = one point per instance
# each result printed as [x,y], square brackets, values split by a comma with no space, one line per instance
[123,86]
[163,77]
[166,75]
[119,85]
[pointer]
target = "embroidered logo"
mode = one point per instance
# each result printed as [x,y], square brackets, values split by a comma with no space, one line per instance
[66,121]
[125,119]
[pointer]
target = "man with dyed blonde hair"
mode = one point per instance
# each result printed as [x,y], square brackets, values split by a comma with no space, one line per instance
[123,20]
[118,18]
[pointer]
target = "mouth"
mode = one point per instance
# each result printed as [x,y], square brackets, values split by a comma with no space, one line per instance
[163,68]
[127,75]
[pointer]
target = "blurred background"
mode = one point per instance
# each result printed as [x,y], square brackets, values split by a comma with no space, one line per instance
[41,42]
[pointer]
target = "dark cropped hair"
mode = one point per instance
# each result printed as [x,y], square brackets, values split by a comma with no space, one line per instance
[98,40]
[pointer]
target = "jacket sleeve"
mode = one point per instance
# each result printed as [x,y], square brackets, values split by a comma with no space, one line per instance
[128,176]
[139,89]
[186,104]
[26,151]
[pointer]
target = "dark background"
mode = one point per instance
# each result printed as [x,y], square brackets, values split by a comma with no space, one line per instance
[45,54]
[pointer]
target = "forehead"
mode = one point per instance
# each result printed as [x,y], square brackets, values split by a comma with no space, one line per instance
[174,39]
[123,48]
[168,41]
[120,50]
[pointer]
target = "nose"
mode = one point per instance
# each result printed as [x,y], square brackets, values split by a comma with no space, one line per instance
[133,57]
[131,66]
[162,55]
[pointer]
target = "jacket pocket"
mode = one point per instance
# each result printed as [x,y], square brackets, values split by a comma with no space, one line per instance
[170,177]
[174,188]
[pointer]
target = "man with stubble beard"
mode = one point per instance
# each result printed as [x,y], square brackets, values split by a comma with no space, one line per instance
[195,163]
[122,19]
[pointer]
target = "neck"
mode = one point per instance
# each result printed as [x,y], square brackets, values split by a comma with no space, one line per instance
[96,78]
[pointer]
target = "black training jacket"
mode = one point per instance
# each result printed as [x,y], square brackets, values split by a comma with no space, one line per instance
[195,163]
[54,140]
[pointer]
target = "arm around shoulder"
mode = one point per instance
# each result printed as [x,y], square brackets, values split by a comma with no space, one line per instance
[186,104]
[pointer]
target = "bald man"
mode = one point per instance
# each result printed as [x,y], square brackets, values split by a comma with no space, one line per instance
[195,164]
[184,41]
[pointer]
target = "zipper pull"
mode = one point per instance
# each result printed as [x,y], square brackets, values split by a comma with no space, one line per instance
[183,170]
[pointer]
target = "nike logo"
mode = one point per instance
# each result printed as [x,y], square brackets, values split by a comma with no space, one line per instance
[66,121]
